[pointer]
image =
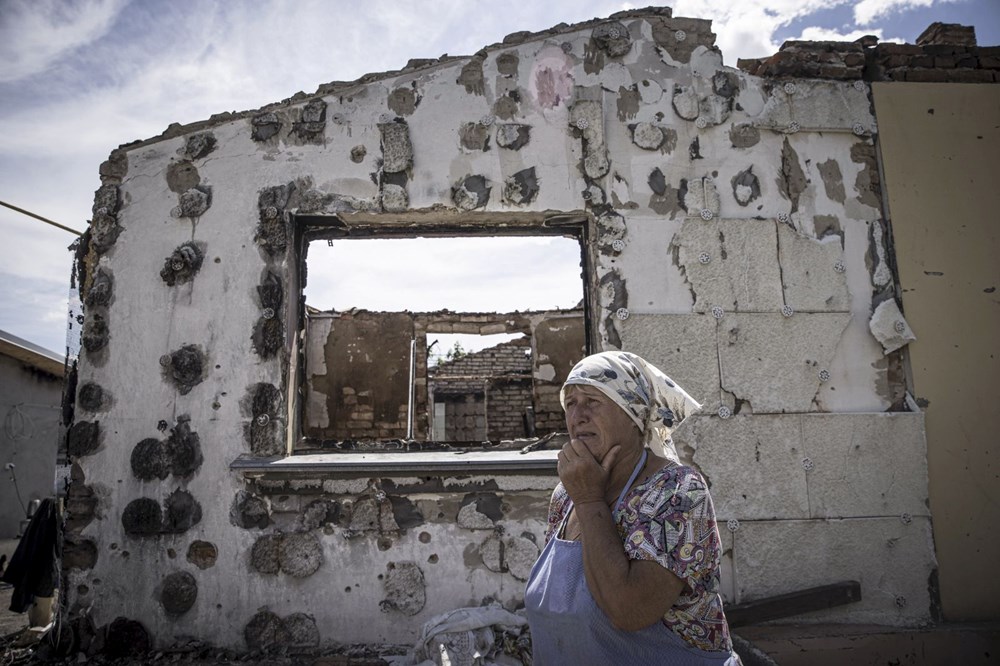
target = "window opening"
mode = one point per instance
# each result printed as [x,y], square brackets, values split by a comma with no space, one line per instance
[489,325]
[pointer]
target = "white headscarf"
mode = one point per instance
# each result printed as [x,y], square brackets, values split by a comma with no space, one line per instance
[650,398]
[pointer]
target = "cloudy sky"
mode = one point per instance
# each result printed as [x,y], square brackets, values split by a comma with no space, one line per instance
[80,77]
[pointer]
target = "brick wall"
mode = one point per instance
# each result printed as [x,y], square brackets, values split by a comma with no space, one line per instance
[945,52]
[503,374]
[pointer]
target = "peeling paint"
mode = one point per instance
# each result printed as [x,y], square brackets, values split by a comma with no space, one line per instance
[521,188]
[833,180]
[628,103]
[746,187]
[403,101]
[471,76]
[744,135]
[471,193]
[792,180]
[513,136]
[474,136]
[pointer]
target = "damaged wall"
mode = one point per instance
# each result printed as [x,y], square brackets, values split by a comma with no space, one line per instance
[734,236]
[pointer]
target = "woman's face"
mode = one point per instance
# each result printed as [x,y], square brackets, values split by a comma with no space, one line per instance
[594,419]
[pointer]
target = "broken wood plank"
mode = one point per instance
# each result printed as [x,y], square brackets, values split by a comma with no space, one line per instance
[793,603]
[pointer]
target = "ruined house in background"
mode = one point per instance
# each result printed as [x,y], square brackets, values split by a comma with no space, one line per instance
[734,230]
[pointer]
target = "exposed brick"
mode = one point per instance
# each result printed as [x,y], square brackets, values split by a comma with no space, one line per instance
[749,65]
[947,33]
[927,75]
[944,49]
[989,62]
[854,59]
[970,75]
[897,49]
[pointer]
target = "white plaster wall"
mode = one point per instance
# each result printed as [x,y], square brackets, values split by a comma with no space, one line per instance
[752,358]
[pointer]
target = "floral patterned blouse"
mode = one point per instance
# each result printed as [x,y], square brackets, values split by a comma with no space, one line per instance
[669,518]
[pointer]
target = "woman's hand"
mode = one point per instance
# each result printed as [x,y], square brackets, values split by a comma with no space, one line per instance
[585,479]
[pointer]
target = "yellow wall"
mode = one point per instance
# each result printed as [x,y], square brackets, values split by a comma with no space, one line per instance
[940,146]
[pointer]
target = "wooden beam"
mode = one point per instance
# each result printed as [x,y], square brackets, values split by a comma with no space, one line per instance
[793,603]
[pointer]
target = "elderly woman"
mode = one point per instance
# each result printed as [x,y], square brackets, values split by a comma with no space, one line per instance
[630,569]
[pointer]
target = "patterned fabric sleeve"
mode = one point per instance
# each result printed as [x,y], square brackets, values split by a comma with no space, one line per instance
[557,509]
[672,522]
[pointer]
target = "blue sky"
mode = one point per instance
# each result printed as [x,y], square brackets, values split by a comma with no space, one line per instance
[80,77]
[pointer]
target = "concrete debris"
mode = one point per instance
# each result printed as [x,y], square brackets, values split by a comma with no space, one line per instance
[889,326]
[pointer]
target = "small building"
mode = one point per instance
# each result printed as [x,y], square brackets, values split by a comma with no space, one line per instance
[256,470]
[31,389]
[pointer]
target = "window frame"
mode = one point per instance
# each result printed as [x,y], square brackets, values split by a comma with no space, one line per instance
[307,228]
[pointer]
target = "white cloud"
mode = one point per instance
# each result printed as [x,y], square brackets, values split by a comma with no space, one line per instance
[867,11]
[818,34]
[36,33]
[745,28]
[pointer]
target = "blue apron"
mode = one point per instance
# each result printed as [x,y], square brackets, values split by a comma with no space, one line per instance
[568,628]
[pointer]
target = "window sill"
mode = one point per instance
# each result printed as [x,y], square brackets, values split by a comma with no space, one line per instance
[446,463]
